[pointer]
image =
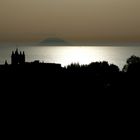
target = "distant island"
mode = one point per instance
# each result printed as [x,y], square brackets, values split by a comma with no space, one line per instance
[62,42]
[54,42]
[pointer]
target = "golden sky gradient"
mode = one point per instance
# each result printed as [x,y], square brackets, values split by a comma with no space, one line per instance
[87,20]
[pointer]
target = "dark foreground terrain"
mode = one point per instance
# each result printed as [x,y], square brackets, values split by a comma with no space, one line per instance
[35,94]
[38,80]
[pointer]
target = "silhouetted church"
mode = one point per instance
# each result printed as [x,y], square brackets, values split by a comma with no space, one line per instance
[17,58]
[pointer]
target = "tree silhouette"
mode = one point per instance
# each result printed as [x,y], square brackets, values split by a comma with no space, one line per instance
[132,64]
[114,68]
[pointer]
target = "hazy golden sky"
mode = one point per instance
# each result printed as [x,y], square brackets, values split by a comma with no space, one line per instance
[95,20]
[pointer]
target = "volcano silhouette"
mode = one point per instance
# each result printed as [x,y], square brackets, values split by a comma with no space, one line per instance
[55,42]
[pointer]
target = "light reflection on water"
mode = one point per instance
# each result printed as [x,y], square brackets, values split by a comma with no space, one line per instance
[68,55]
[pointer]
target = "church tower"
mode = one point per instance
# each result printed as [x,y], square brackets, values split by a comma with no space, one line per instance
[17,58]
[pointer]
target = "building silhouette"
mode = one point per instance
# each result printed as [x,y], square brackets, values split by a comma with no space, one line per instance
[17,58]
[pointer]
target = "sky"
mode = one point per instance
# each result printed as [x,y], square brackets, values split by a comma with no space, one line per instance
[78,20]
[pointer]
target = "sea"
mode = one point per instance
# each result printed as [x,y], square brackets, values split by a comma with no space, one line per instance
[66,55]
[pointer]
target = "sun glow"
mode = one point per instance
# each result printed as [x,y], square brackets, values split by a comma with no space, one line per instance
[79,55]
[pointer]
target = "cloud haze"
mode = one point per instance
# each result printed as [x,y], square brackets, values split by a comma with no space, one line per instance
[87,20]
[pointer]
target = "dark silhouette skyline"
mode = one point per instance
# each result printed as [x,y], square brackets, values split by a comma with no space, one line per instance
[99,76]
[47,89]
